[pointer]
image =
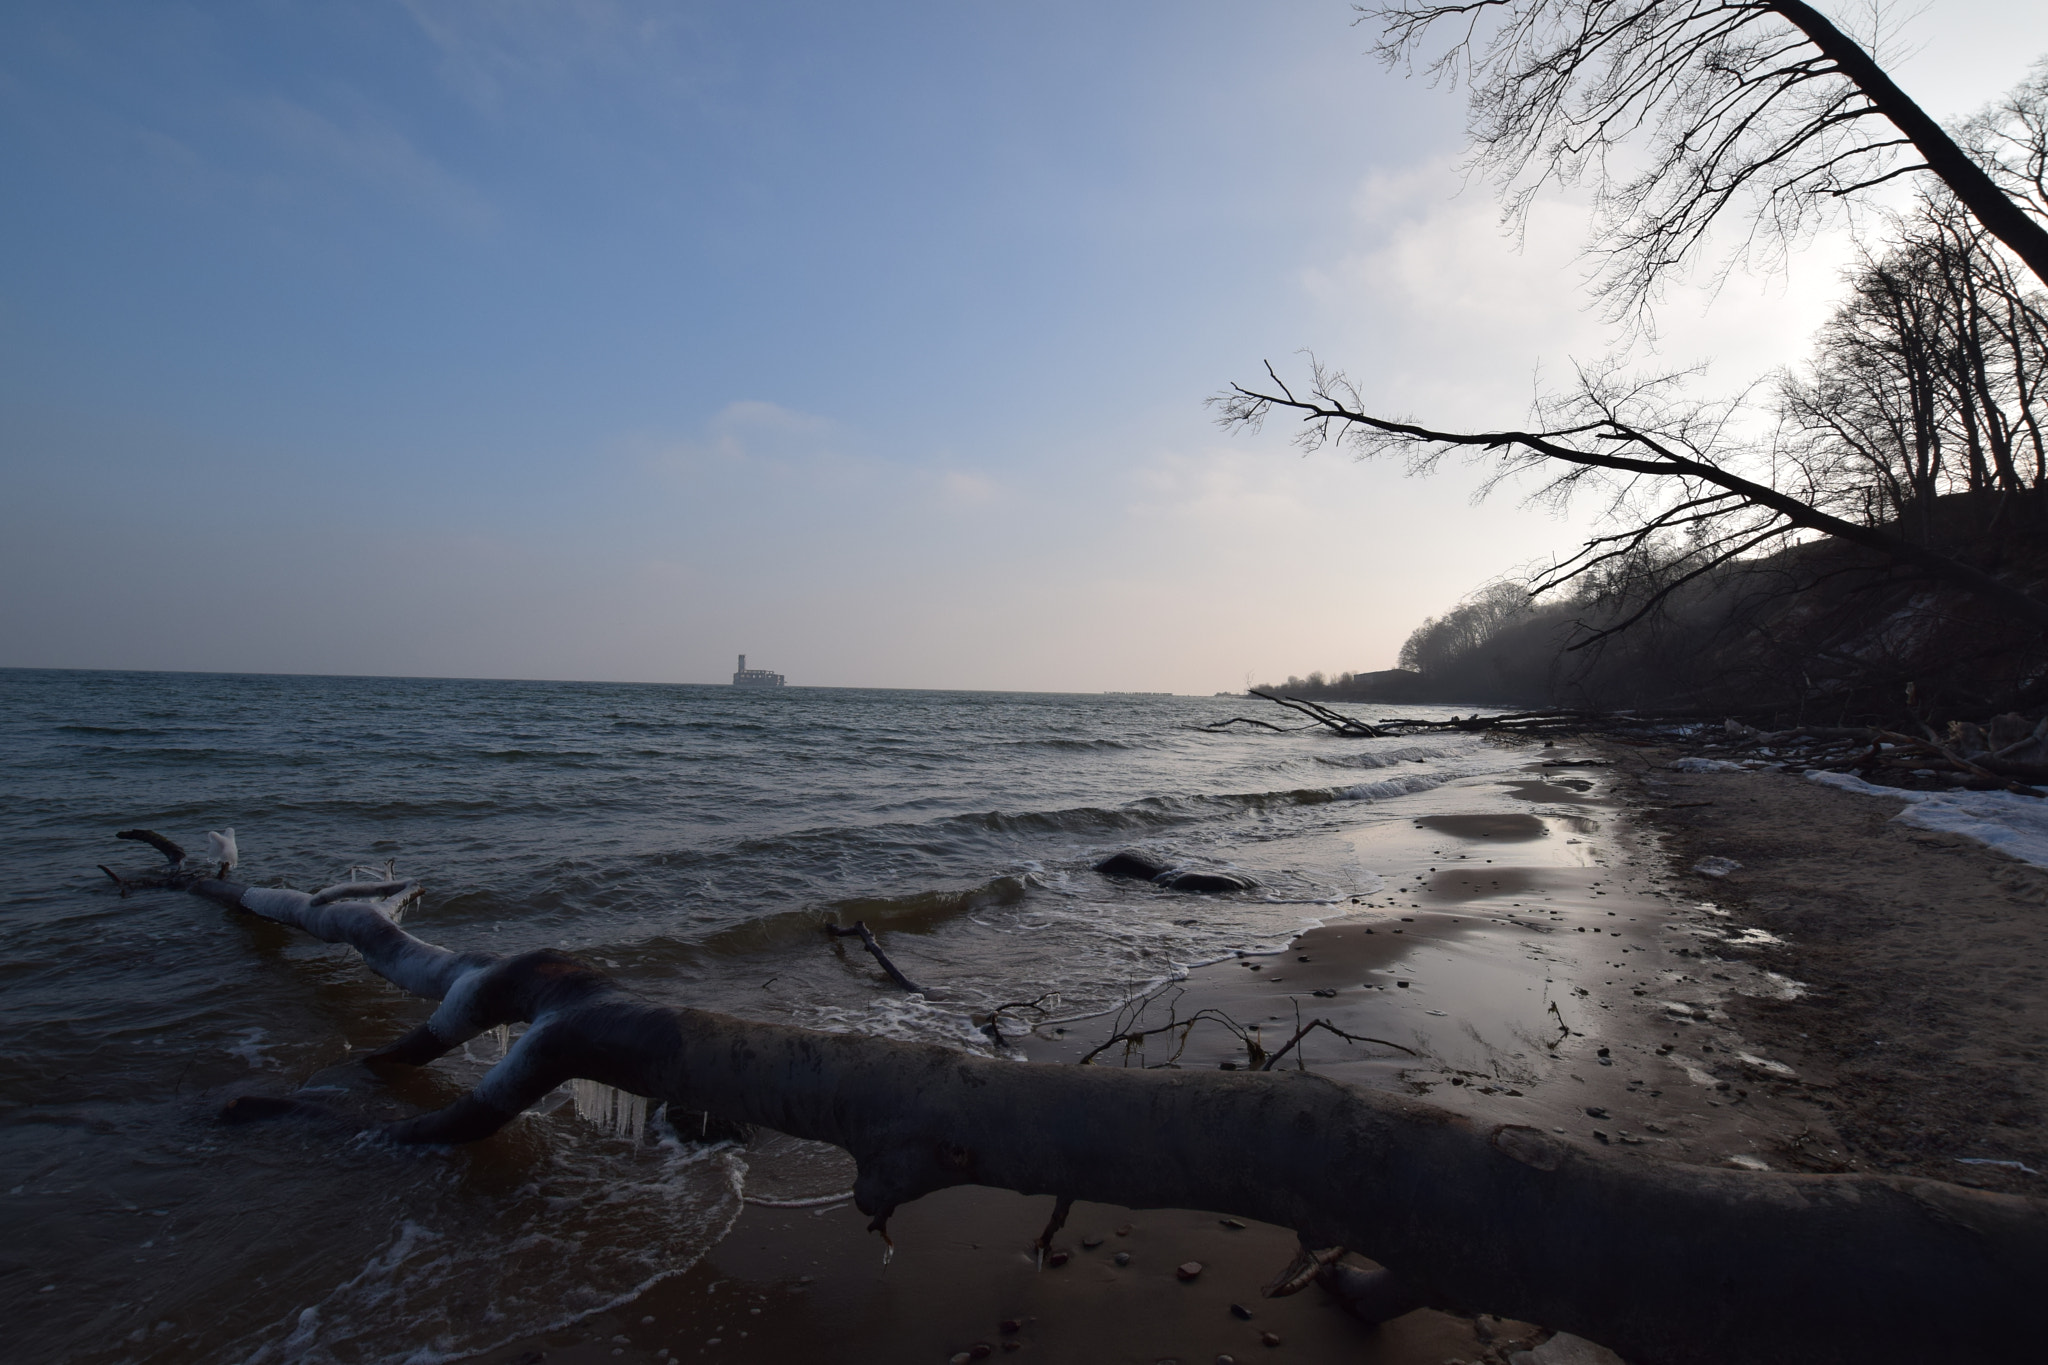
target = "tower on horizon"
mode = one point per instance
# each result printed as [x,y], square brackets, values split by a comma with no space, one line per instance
[756,677]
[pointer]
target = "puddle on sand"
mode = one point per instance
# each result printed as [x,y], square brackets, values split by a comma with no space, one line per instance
[1504,828]
[1533,988]
[1541,789]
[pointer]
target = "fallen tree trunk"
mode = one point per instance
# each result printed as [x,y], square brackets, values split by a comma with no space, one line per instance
[1666,1264]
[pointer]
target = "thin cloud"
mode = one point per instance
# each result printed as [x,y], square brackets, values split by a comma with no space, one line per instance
[369,152]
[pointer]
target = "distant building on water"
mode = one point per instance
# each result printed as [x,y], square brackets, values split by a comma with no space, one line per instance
[756,677]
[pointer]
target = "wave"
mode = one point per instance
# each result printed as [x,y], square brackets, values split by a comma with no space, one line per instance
[726,879]
[802,870]
[1392,787]
[581,758]
[915,912]
[108,730]
[1158,812]
[1390,758]
[922,907]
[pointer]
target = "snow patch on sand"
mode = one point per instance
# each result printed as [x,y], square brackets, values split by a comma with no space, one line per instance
[1705,765]
[2013,824]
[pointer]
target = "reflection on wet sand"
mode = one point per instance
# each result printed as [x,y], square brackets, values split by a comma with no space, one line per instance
[1503,828]
[1553,789]
[1544,992]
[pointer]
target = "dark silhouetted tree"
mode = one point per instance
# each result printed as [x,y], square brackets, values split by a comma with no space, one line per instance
[1682,113]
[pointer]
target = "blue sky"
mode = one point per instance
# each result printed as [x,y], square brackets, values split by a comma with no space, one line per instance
[609,340]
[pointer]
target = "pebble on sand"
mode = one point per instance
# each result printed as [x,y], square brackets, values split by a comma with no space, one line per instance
[1188,1270]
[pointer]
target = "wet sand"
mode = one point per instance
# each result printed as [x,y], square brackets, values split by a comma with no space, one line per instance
[1560,967]
[1920,1035]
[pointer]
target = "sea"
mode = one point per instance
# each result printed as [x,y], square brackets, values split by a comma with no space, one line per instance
[691,839]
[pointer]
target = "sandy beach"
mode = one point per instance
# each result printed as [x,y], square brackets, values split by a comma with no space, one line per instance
[1854,997]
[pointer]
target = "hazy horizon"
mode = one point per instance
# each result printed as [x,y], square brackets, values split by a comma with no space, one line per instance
[607,341]
[608,682]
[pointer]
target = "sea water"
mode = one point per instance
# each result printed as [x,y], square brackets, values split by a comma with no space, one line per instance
[690,839]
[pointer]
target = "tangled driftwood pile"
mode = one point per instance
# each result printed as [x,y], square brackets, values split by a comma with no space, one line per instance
[2006,753]
[1527,723]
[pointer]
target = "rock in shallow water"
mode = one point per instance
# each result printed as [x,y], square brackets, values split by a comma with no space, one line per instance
[1142,868]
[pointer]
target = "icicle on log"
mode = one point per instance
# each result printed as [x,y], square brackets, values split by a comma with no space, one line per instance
[1666,1264]
[619,1112]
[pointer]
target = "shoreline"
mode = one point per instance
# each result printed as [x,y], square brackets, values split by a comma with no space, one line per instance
[1922,1035]
[1590,983]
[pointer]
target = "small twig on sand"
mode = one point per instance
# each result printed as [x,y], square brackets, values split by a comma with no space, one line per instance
[1562,1025]
[1129,1037]
[1301,1271]
[1060,1209]
[991,1023]
[1324,1024]
[860,927]
[1256,1056]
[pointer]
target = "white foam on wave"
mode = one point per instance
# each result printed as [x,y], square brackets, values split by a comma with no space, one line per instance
[1388,788]
[1383,758]
[471,1271]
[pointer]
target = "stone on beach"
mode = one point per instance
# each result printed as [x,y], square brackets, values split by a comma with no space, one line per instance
[1141,868]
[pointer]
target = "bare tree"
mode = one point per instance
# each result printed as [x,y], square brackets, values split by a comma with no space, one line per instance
[1665,465]
[2010,140]
[1927,380]
[1764,101]
[1467,627]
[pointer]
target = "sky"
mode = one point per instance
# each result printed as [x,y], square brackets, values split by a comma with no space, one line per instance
[609,340]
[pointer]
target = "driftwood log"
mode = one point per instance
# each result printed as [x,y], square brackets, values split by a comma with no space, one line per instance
[859,928]
[1666,1264]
